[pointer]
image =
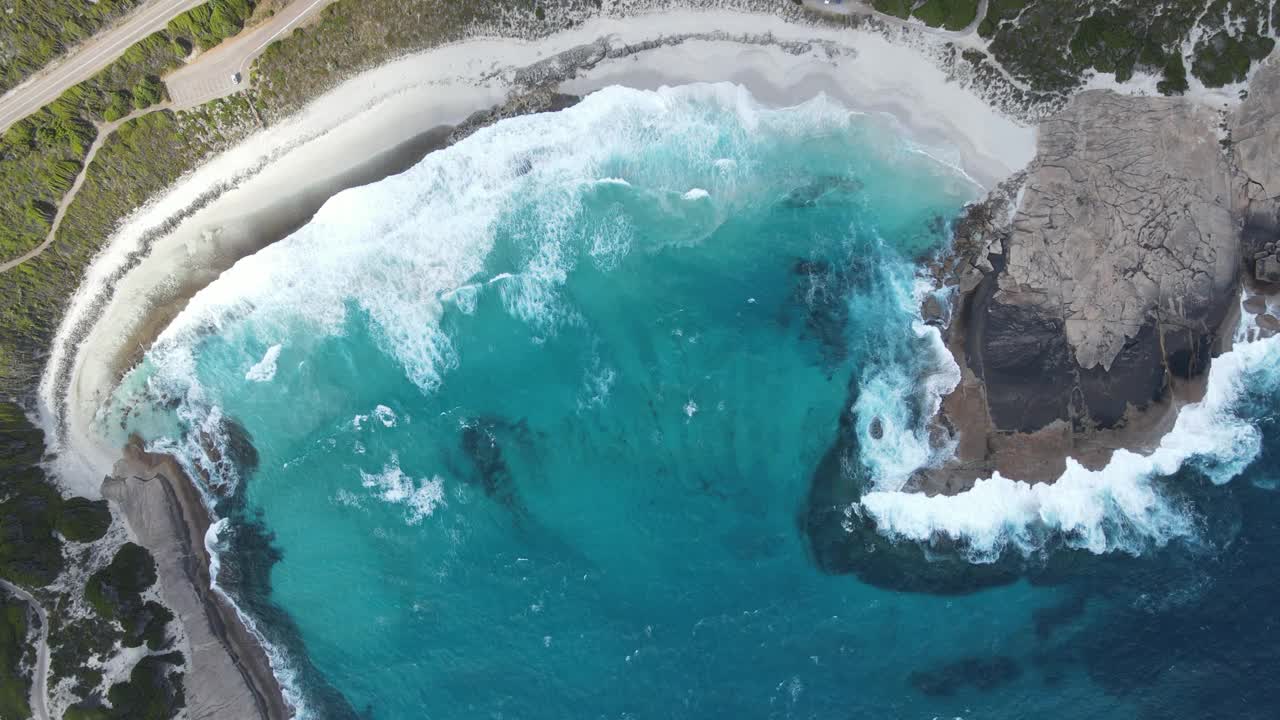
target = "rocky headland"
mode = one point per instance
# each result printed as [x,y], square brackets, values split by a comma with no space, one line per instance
[1090,294]
[168,517]
[1094,289]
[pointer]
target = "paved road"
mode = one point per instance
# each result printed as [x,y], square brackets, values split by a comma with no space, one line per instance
[209,75]
[40,683]
[85,61]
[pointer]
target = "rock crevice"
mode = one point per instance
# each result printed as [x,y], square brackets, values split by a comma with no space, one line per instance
[1094,288]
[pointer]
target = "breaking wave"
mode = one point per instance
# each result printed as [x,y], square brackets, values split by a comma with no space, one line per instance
[1124,506]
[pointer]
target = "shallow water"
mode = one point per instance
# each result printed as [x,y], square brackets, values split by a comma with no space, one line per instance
[534,426]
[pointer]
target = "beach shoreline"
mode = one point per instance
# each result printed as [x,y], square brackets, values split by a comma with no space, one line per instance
[166,514]
[381,122]
[223,211]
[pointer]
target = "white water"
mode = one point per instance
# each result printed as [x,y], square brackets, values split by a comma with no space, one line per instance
[265,369]
[887,396]
[1119,508]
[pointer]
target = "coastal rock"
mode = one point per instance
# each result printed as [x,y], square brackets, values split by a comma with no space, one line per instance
[1267,269]
[1255,134]
[1268,325]
[1120,263]
[933,310]
[166,516]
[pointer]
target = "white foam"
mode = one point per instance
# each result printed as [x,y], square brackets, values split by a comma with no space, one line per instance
[1119,508]
[397,249]
[900,401]
[281,666]
[385,415]
[420,497]
[696,194]
[211,546]
[265,369]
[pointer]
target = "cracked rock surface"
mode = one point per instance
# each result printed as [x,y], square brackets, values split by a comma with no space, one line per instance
[1255,134]
[1119,267]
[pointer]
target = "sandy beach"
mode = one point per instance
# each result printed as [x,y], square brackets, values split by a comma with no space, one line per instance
[381,123]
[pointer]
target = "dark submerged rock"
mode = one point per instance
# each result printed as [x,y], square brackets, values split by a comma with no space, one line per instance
[480,444]
[982,673]
[876,429]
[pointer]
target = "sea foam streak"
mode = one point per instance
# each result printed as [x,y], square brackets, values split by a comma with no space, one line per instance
[265,369]
[420,497]
[1118,508]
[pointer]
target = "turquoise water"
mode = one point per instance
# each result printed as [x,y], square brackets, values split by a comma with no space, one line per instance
[529,432]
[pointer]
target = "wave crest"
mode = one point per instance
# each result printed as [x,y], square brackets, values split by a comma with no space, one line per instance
[1122,507]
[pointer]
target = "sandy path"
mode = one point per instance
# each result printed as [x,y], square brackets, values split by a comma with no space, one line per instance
[104,131]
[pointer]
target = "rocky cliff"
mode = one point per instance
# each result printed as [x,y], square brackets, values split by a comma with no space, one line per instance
[1096,287]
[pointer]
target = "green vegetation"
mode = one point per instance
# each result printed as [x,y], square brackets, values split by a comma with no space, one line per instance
[32,512]
[212,22]
[154,691]
[125,173]
[1235,36]
[151,627]
[1045,44]
[358,34]
[1174,80]
[41,156]
[33,516]
[83,520]
[39,159]
[948,14]
[115,591]
[35,32]
[1050,44]
[1227,50]
[998,12]
[896,8]
[30,552]
[15,688]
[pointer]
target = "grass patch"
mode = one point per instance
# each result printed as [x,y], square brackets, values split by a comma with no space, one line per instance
[15,688]
[154,691]
[115,591]
[33,33]
[32,512]
[40,156]
[896,8]
[999,11]
[83,520]
[948,14]
[1222,59]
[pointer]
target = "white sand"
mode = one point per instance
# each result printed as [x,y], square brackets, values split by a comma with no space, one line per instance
[383,108]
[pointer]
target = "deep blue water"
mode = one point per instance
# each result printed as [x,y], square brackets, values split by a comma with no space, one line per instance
[529,432]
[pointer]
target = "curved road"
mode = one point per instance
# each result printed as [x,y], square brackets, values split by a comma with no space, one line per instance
[40,683]
[85,61]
